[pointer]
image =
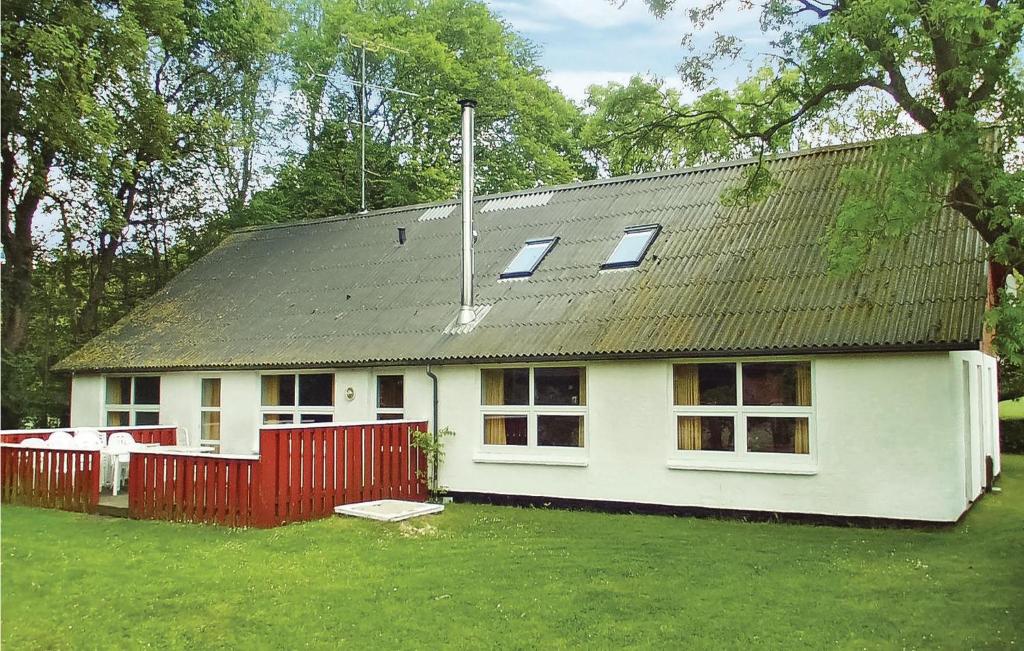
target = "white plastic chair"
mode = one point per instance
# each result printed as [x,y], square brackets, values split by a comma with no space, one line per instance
[119,446]
[88,438]
[61,439]
[34,442]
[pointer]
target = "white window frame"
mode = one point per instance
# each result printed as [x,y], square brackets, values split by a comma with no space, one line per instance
[547,243]
[741,459]
[216,443]
[131,407]
[532,453]
[295,410]
[390,411]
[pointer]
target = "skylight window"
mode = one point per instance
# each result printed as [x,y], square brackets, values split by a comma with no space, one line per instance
[632,248]
[528,258]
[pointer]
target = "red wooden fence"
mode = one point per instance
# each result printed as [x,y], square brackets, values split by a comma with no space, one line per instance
[162,434]
[302,473]
[51,478]
[191,488]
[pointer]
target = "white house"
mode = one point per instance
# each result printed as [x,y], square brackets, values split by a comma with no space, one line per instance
[629,340]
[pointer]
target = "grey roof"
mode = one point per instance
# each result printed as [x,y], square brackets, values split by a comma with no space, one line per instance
[717,281]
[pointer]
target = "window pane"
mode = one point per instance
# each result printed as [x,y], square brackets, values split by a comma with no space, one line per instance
[704,384]
[211,426]
[559,386]
[505,386]
[390,392]
[147,391]
[147,418]
[560,431]
[277,419]
[316,390]
[504,430]
[787,435]
[278,391]
[528,258]
[706,433]
[211,392]
[390,416]
[316,418]
[631,248]
[119,390]
[117,419]
[777,384]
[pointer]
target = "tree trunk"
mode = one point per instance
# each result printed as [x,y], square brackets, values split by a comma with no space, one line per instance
[17,243]
[87,323]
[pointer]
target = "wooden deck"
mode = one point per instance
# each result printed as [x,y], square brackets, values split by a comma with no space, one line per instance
[113,505]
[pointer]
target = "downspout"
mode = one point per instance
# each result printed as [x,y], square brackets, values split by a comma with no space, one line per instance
[433,378]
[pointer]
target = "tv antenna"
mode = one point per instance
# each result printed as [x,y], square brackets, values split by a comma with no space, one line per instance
[362,85]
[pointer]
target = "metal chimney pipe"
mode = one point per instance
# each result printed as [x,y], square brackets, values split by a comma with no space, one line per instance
[467,312]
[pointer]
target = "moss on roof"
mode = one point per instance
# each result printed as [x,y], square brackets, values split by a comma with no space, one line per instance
[717,280]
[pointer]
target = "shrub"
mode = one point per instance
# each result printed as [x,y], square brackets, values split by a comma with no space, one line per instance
[1011,436]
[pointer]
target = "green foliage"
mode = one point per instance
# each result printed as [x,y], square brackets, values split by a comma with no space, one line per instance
[480,577]
[432,445]
[947,70]
[1011,436]
[433,53]
[645,126]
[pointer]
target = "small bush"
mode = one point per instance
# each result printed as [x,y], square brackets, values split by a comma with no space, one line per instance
[1011,436]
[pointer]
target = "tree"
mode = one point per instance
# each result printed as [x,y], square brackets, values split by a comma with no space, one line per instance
[632,128]
[119,123]
[421,57]
[948,70]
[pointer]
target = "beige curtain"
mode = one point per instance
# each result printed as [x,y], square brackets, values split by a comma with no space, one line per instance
[801,439]
[494,394]
[687,392]
[687,386]
[689,433]
[211,392]
[583,386]
[271,390]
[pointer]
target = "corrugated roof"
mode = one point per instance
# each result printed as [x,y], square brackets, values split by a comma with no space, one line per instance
[718,280]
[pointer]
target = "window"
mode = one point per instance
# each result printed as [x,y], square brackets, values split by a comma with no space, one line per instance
[390,397]
[632,248]
[209,410]
[132,401]
[526,408]
[745,410]
[529,258]
[297,398]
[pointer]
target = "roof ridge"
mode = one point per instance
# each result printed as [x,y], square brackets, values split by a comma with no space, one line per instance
[574,185]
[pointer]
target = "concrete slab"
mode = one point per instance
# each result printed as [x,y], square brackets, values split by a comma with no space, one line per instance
[388,510]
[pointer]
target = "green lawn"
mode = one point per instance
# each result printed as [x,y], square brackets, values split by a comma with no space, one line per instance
[1011,409]
[492,577]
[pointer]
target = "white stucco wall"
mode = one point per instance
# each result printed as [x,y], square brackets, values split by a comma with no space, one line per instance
[888,442]
[893,435]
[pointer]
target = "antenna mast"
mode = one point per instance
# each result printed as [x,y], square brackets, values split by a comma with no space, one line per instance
[362,122]
[361,85]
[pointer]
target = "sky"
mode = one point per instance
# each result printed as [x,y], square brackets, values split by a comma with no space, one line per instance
[585,42]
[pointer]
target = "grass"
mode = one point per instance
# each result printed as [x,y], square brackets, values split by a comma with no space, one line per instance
[1011,409]
[492,577]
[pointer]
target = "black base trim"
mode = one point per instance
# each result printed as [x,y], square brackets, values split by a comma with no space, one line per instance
[640,508]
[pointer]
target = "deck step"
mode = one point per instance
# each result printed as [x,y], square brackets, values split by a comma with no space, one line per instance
[112,510]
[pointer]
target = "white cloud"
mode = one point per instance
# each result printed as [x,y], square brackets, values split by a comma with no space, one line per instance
[551,15]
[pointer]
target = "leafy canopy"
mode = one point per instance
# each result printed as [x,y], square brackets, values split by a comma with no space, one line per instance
[947,70]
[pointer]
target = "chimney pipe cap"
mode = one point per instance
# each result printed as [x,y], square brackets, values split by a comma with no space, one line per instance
[467,103]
